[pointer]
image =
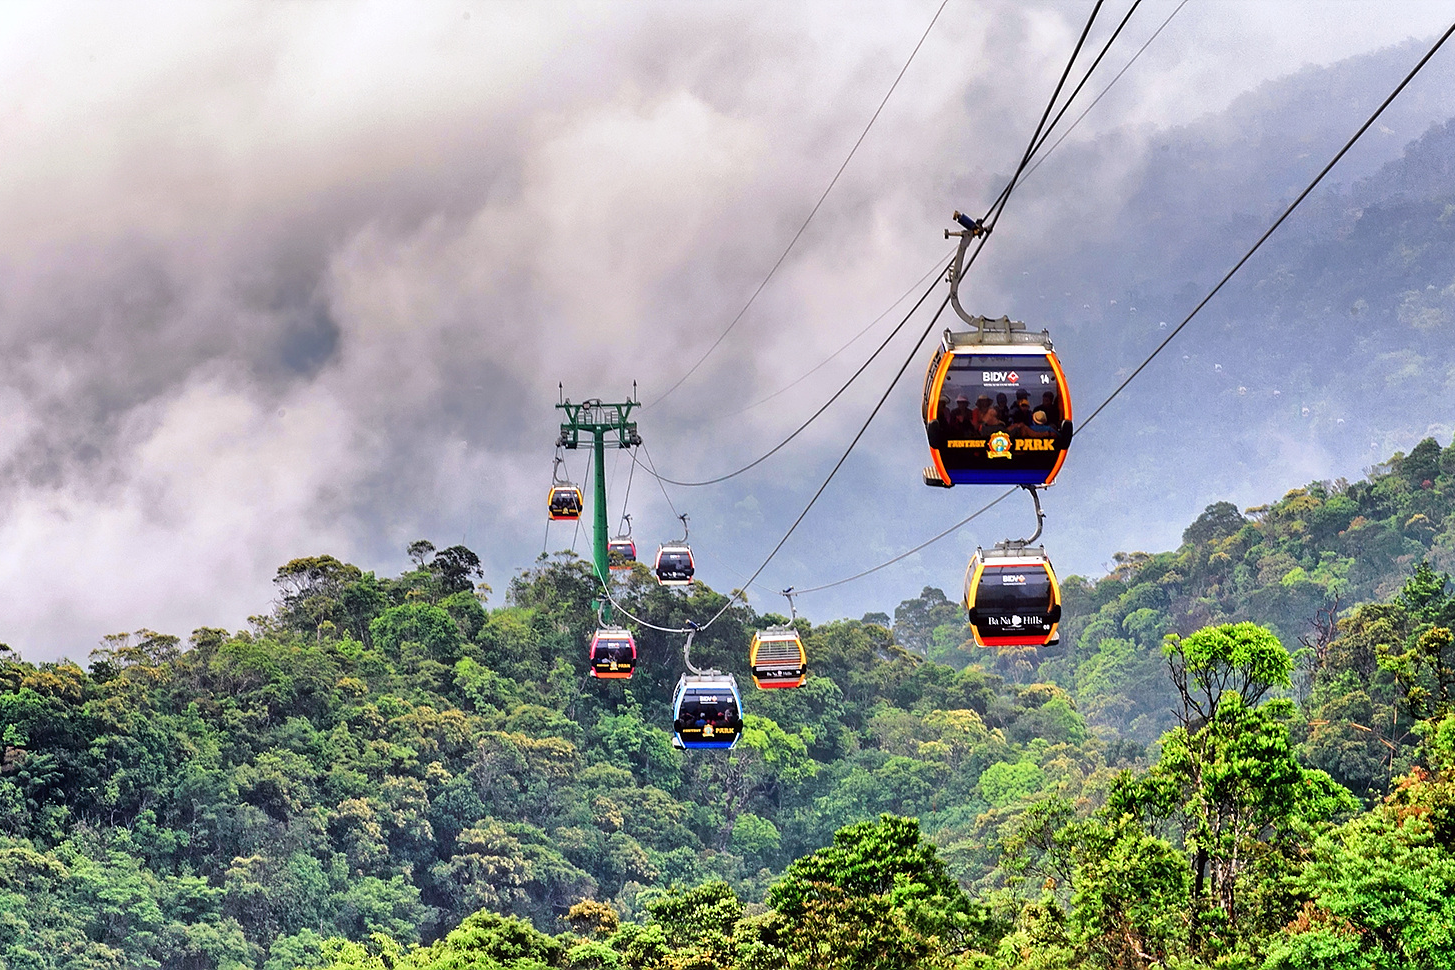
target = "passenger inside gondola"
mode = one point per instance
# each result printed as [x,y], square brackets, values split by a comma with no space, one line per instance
[1052,409]
[982,404]
[565,502]
[618,650]
[959,423]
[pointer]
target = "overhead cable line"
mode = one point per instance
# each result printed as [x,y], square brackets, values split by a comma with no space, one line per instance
[1110,85]
[909,552]
[813,417]
[1042,157]
[737,594]
[936,268]
[817,205]
[1262,239]
[987,223]
[651,468]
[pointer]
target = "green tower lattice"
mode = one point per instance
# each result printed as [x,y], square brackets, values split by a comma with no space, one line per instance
[598,420]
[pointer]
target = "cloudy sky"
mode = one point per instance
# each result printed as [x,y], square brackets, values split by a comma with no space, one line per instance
[286,279]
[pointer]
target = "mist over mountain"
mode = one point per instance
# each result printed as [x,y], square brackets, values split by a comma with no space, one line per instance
[1329,349]
[279,281]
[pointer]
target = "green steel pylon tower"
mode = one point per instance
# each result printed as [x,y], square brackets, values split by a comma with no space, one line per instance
[599,420]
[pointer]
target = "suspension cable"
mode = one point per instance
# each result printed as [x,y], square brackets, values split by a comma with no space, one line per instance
[1038,137]
[626,499]
[577,533]
[909,552]
[936,268]
[1030,171]
[993,215]
[741,593]
[813,417]
[817,205]
[651,468]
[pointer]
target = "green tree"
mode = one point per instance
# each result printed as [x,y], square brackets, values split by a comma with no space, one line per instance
[1236,658]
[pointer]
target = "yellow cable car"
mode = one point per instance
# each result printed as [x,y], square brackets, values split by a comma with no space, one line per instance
[564,502]
[1012,597]
[613,653]
[777,658]
[995,407]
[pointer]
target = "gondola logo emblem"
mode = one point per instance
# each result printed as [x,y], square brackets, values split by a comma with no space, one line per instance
[992,378]
[998,445]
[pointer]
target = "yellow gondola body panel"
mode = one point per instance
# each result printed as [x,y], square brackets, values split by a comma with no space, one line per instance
[777,658]
[564,503]
[996,408]
[1012,598]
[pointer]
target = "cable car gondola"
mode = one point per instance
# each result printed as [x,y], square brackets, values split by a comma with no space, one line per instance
[995,407]
[621,551]
[613,653]
[1012,597]
[777,658]
[564,502]
[674,565]
[707,711]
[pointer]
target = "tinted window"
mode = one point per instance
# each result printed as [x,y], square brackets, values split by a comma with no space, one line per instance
[1012,588]
[710,707]
[998,379]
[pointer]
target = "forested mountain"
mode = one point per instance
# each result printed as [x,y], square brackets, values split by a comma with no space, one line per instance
[375,760]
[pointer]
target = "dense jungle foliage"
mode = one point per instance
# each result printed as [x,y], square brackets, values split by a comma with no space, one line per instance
[1242,754]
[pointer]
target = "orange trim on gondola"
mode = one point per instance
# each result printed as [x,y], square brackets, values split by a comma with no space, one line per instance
[939,465]
[1056,468]
[1061,382]
[933,402]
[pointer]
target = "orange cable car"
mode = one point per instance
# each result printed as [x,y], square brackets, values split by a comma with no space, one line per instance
[564,502]
[995,407]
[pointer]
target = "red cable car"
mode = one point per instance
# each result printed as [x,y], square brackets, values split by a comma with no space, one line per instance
[613,653]
[621,552]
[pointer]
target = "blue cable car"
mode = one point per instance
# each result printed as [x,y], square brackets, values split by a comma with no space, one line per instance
[707,711]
